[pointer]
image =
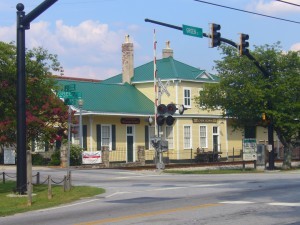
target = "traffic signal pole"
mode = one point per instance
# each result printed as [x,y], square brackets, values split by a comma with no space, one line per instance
[23,23]
[265,73]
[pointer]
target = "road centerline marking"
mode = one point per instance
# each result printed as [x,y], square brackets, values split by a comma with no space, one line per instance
[148,214]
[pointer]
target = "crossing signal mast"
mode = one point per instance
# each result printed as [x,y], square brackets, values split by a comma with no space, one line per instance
[215,35]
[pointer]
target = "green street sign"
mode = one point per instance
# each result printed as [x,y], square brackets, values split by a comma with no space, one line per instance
[70,101]
[64,94]
[76,95]
[70,87]
[192,31]
[69,95]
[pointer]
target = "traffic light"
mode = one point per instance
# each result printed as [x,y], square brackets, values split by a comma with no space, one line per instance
[215,35]
[263,116]
[165,114]
[244,44]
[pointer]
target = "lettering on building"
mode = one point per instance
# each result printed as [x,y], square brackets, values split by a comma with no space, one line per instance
[130,121]
[204,120]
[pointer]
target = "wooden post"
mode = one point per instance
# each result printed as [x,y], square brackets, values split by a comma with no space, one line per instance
[65,183]
[29,178]
[49,188]
[69,180]
[38,178]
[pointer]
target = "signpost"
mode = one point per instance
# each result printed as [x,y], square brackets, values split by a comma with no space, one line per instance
[70,97]
[192,31]
[249,149]
[23,24]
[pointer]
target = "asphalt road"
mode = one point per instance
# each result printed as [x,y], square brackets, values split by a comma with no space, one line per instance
[148,197]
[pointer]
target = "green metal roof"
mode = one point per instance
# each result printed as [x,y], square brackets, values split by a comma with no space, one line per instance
[167,69]
[111,99]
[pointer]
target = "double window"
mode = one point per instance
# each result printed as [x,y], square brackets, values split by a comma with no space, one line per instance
[169,136]
[187,97]
[106,136]
[203,136]
[187,137]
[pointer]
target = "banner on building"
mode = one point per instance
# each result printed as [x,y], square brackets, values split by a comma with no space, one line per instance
[91,157]
[249,149]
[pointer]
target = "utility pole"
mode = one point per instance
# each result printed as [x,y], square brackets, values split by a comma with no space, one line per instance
[23,23]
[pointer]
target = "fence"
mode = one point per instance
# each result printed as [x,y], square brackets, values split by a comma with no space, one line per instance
[120,155]
[66,181]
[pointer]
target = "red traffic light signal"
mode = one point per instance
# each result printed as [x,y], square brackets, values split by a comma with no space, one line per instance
[171,108]
[161,109]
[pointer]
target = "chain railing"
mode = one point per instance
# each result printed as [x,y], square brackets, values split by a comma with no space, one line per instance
[66,181]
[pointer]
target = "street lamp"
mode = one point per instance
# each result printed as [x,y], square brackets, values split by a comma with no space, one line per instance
[80,104]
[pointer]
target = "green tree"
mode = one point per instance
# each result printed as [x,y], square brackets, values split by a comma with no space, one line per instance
[46,115]
[245,93]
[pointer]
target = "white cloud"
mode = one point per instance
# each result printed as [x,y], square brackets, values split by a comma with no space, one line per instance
[295,47]
[8,34]
[88,49]
[273,7]
[90,72]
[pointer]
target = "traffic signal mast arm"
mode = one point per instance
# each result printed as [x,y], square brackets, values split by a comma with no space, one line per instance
[180,28]
[232,43]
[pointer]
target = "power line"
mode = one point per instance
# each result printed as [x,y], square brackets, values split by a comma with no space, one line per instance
[241,10]
[294,4]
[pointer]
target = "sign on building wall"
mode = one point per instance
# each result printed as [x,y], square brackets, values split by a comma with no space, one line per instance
[130,121]
[204,120]
[91,157]
[9,155]
[249,149]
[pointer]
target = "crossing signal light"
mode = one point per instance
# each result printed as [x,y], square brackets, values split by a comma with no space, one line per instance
[215,35]
[244,44]
[161,110]
[171,108]
[165,114]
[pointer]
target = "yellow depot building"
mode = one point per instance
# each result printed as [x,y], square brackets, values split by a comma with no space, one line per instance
[119,113]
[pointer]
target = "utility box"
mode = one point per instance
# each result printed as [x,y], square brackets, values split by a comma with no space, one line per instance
[261,157]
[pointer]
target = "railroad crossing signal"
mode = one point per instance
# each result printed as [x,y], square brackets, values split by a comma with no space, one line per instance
[165,114]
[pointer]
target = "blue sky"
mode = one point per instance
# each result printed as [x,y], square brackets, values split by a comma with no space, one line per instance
[87,34]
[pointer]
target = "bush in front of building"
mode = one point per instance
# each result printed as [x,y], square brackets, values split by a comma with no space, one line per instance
[39,160]
[76,155]
[55,158]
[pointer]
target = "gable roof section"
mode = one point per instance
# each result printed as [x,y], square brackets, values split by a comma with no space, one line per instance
[167,69]
[111,99]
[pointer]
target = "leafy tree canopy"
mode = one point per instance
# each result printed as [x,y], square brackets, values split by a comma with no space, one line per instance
[245,93]
[46,115]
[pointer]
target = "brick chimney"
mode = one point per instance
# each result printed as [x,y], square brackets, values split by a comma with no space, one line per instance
[167,52]
[127,60]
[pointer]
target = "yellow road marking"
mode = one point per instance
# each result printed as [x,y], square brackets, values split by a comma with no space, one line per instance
[140,215]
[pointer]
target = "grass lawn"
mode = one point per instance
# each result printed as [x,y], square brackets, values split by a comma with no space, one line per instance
[13,205]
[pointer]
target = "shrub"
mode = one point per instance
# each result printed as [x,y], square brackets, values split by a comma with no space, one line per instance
[39,160]
[55,158]
[76,155]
